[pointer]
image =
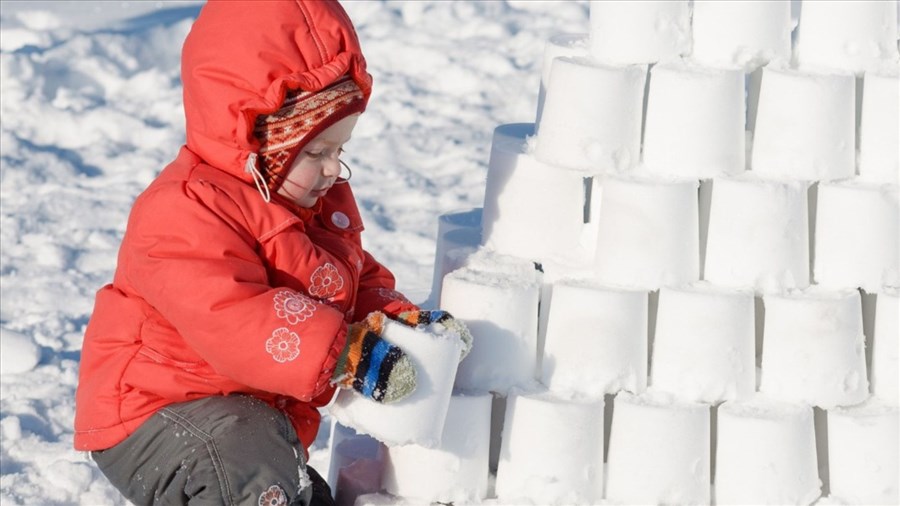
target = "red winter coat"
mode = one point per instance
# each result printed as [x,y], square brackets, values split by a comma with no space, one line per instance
[217,291]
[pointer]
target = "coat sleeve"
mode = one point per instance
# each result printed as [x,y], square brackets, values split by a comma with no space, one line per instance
[377,293]
[190,256]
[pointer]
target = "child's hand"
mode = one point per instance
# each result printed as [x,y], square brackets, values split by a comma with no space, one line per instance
[424,317]
[372,366]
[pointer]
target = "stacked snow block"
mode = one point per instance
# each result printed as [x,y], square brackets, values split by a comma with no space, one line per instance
[683,283]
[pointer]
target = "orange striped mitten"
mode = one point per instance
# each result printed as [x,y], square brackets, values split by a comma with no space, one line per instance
[425,317]
[372,366]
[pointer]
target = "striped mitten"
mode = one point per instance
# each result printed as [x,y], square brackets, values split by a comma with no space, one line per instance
[425,317]
[372,366]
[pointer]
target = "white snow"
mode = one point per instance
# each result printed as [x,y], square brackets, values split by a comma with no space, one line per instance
[638,212]
[596,340]
[562,44]
[501,311]
[847,255]
[18,352]
[519,190]
[862,442]
[591,119]
[565,469]
[847,35]
[659,451]
[879,128]
[623,31]
[814,348]
[766,453]
[703,347]
[454,471]
[758,234]
[805,125]
[91,112]
[695,121]
[886,347]
[458,236]
[418,418]
[747,33]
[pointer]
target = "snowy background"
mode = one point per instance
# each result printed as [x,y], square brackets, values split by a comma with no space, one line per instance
[91,112]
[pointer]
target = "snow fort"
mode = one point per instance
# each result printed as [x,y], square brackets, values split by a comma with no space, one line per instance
[683,282]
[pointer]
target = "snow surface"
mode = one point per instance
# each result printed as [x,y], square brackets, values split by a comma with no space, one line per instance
[91,111]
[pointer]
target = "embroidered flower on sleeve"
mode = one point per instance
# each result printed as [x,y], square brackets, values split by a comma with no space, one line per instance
[273,496]
[387,293]
[284,345]
[293,307]
[325,281]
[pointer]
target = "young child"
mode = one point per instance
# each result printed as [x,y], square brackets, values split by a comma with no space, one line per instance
[229,320]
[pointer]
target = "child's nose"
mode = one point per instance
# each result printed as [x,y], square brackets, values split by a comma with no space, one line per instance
[331,167]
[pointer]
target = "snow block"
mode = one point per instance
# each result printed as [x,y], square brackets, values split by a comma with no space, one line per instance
[459,234]
[419,418]
[501,311]
[745,34]
[805,126]
[704,347]
[658,451]
[531,210]
[879,129]
[886,347]
[361,477]
[552,451]
[347,446]
[814,348]
[454,472]
[382,499]
[766,453]
[857,241]
[758,234]
[18,352]
[591,119]
[648,233]
[850,35]
[571,45]
[863,447]
[623,31]
[695,121]
[596,340]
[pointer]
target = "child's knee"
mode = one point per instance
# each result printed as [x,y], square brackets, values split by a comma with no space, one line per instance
[252,455]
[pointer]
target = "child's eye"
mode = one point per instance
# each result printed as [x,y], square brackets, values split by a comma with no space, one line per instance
[316,155]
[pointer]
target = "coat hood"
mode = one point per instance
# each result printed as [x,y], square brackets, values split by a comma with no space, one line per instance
[241,57]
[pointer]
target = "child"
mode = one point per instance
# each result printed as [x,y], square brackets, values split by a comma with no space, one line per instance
[229,319]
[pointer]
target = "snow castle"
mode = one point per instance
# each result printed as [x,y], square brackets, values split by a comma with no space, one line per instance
[684,282]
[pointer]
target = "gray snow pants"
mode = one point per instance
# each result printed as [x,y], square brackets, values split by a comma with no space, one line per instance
[215,451]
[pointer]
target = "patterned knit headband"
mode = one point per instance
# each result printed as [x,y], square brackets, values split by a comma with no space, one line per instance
[302,116]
